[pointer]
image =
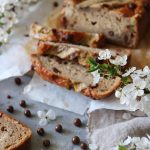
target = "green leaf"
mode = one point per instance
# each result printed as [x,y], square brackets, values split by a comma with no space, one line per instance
[126,80]
[122,147]
[92,62]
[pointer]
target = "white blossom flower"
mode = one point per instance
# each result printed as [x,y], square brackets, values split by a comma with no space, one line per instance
[45,117]
[3,36]
[93,146]
[96,77]
[137,143]
[104,55]
[148,82]
[119,60]
[131,70]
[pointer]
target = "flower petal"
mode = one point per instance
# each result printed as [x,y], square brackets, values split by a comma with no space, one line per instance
[43,122]
[41,114]
[51,115]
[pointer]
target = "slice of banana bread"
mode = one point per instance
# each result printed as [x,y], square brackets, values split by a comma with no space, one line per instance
[79,54]
[13,134]
[123,22]
[67,36]
[73,76]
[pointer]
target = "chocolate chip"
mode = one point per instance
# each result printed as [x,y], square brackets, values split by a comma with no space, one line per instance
[23,103]
[54,31]
[56,70]
[111,33]
[40,131]
[138,98]
[77,122]
[26,35]
[59,128]
[27,113]
[10,109]
[46,143]
[55,4]
[76,140]
[9,97]
[83,146]
[93,23]
[132,6]
[18,81]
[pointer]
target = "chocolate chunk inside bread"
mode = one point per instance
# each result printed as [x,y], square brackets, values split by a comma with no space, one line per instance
[94,40]
[122,22]
[13,134]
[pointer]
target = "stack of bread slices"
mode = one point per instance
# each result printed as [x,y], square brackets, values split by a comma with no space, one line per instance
[62,53]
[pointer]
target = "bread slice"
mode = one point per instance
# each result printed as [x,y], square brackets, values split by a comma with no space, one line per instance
[66,65]
[67,36]
[122,22]
[72,76]
[79,54]
[13,134]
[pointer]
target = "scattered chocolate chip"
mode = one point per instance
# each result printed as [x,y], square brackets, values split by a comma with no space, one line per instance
[23,103]
[3,128]
[54,31]
[77,122]
[83,146]
[26,35]
[40,131]
[138,98]
[10,109]
[27,113]
[132,6]
[59,128]
[9,97]
[93,23]
[111,33]
[76,140]
[56,70]
[55,4]
[18,81]
[46,143]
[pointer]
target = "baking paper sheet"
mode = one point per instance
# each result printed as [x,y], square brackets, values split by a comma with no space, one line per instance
[42,91]
[13,57]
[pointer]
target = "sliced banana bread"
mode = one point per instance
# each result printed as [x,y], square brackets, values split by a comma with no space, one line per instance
[123,22]
[67,36]
[73,76]
[66,65]
[79,54]
[13,134]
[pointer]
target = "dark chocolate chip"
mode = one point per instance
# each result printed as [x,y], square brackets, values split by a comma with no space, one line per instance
[55,4]
[27,113]
[59,128]
[77,122]
[93,23]
[56,70]
[76,140]
[9,97]
[26,35]
[18,81]
[46,143]
[138,98]
[23,103]
[83,146]
[10,109]
[40,131]
[111,33]
[99,61]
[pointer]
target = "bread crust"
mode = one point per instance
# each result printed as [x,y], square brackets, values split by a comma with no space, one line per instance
[24,144]
[65,82]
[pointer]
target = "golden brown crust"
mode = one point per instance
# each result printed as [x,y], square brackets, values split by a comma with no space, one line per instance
[64,82]
[91,93]
[24,144]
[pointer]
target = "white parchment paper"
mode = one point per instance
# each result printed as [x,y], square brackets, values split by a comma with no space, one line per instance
[13,57]
[42,91]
